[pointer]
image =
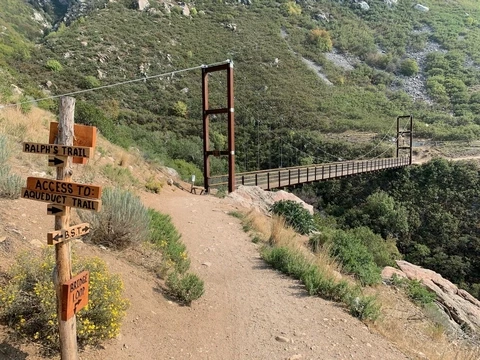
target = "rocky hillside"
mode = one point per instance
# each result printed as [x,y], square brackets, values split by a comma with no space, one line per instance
[371,61]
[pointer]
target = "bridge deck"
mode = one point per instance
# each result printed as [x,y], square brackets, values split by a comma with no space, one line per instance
[283,177]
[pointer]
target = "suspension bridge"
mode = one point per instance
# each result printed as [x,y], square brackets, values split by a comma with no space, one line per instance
[289,176]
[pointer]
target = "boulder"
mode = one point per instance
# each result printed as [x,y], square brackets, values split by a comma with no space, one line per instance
[462,308]
[261,200]
[16,90]
[143,4]
[391,3]
[321,16]
[420,7]
[364,6]
[185,10]
[171,172]
[388,272]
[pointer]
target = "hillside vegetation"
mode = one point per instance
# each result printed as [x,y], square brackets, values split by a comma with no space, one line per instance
[430,212]
[279,100]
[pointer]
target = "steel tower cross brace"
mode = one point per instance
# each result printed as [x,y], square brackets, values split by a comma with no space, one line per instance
[229,110]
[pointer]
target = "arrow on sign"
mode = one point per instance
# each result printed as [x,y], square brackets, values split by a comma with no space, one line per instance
[85,229]
[57,237]
[76,304]
[56,161]
[55,210]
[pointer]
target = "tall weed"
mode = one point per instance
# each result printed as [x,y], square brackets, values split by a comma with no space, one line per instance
[10,184]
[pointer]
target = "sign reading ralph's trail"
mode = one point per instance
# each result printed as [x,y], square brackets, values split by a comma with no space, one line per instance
[60,150]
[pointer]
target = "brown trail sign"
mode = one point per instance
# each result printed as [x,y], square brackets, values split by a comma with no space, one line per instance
[84,136]
[60,150]
[64,188]
[63,200]
[75,295]
[73,232]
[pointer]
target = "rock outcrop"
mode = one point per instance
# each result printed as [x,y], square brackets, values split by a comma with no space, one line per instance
[421,8]
[255,197]
[143,5]
[461,307]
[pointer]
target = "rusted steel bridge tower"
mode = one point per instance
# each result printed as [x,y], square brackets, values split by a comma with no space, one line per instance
[229,110]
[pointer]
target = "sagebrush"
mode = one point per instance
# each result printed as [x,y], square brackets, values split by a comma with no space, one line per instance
[122,222]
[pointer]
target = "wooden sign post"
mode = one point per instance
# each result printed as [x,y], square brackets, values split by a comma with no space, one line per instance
[67,142]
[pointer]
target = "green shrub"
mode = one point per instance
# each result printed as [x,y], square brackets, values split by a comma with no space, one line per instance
[321,39]
[409,67]
[186,169]
[295,215]
[166,238]
[184,286]
[187,288]
[25,104]
[119,175]
[4,151]
[384,252]
[28,305]
[355,257]
[10,184]
[415,290]
[177,10]
[90,82]
[54,65]
[154,185]
[364,308]
[287,261]
[88,114]
[290,8]
[419,293]
[316,241]
[122,222]
[180,109]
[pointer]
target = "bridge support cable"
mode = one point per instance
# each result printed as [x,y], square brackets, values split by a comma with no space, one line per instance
[229,110]
[401,138]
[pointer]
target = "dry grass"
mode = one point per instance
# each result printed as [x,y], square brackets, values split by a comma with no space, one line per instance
[19,127]
[281,235]
[32,126]
[402,322]
[406,325]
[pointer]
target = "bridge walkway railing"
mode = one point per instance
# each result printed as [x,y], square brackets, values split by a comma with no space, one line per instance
[283,177]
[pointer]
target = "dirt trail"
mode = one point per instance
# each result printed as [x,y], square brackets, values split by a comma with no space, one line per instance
[248,311]
[247,307]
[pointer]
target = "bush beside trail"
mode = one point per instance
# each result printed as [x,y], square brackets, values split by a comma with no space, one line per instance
[28,301]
